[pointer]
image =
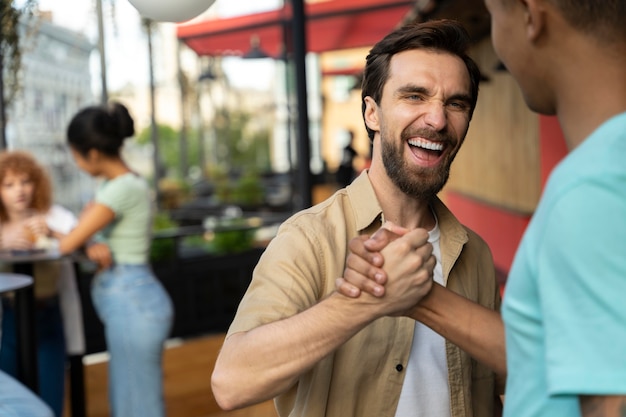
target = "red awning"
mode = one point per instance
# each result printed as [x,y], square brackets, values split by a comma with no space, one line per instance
[331,25]
[342,71]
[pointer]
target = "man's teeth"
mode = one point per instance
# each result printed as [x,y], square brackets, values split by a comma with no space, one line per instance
[432,146]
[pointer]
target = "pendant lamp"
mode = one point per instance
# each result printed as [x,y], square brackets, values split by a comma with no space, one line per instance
[171,11]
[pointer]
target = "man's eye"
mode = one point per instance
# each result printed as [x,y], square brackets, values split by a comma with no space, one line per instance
[458,105]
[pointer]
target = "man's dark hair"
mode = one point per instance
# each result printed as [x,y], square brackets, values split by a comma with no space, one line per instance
[601,18]
[446,36]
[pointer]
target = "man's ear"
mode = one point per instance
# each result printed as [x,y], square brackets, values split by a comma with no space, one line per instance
[535,18]
[371,114]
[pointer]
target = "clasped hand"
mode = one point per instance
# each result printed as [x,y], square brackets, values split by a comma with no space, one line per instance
[394,262]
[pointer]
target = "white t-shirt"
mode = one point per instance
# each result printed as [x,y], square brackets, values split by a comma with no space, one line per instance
[425,392]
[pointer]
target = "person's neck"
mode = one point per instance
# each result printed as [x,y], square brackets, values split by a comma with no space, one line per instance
[115,169]
[398,207]
[19,215]
[591,93]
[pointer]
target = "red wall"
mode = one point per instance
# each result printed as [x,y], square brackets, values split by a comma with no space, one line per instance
[553,146]
[502,229]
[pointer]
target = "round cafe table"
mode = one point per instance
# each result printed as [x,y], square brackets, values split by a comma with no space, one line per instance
[13,282]
[22,286]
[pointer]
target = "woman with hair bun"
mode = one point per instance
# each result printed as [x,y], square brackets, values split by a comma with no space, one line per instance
[133,305]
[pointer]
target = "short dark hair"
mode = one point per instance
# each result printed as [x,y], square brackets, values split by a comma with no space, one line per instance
[437,35]
[601,18]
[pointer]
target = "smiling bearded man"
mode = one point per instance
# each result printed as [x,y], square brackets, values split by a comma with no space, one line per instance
[320,353]
[430,180]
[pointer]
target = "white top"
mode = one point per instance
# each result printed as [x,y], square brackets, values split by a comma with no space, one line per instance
[425,392]
[62,220]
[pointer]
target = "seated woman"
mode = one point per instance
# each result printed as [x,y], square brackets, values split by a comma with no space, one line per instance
[27,217]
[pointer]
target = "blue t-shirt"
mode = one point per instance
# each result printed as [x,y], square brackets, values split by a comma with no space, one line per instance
[130,233]
[564,307]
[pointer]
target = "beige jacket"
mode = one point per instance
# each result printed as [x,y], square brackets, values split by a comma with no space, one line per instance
[363,377]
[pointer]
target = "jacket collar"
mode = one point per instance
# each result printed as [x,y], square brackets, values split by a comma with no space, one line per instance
[367,210]
[368,213]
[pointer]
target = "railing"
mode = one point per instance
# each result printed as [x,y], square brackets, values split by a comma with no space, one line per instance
[205,287]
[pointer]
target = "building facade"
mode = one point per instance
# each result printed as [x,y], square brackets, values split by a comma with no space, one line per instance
[55,83]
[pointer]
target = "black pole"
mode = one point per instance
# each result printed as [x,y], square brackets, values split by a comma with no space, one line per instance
[303,179]
[182,82]
[3,115]
[286,58]
[154,133]
[201,131]
[103,67]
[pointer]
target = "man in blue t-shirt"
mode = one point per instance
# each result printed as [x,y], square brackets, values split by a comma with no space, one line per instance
[563,311]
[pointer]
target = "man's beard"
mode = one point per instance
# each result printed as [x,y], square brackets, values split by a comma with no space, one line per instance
[416,182]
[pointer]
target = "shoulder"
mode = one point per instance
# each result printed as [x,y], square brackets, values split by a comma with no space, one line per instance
[319,230]
[124,192]
[318,219]
[475,239]
[130,180]
[128,184]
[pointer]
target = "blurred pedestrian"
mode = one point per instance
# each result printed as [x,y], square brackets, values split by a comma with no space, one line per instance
[345,171]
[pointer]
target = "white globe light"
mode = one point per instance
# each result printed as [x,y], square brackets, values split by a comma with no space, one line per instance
[171,11]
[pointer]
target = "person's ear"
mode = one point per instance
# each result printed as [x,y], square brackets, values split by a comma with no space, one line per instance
[535,18]
[371,114]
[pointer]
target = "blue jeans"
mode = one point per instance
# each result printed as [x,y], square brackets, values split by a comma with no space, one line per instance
[51,356]
[18,401]
[137,314]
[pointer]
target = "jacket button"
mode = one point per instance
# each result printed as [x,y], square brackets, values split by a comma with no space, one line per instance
[399,367]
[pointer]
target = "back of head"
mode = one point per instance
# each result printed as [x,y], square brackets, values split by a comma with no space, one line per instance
[447,36]
[602,19]
[23,163]
[103,128]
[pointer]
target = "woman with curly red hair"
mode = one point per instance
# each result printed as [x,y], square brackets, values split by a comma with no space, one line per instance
[29,219]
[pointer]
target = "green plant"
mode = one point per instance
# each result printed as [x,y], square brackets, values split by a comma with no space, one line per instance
[222,242]
[248,190]
[163,248]
[168,141]
[173,192]
[237,148]
[232,241]
[10,54]
[223,186]
[238,145]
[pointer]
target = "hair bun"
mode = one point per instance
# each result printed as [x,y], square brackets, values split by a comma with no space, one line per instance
[122,119]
